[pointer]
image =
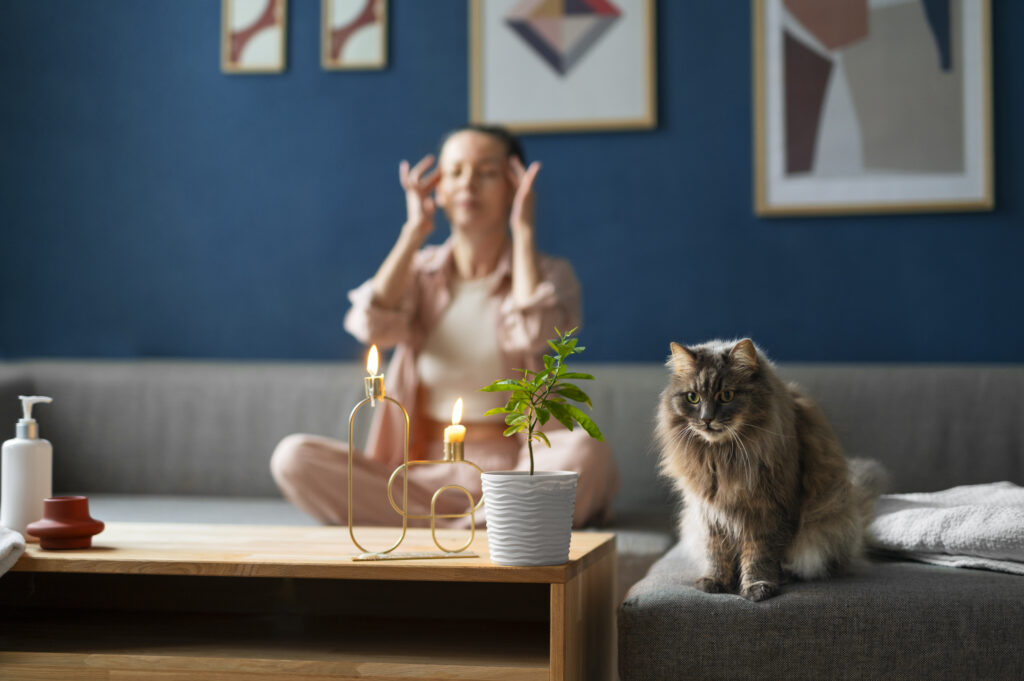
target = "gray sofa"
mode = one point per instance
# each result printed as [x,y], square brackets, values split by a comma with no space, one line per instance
[189,441]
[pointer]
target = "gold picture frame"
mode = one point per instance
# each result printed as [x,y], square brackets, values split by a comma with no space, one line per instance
[892,112]
[253,36]
[601,76]
[354,35]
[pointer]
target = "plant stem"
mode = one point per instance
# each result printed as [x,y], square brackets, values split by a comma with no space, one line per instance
[536,404]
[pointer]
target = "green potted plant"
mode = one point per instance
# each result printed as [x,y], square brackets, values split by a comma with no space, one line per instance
[529,513]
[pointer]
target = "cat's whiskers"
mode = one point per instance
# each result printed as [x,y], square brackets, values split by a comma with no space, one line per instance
[748,460]
[683,436]
[770,432]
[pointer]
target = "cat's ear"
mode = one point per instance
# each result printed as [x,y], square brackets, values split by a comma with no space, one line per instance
[744,357]
[682,360]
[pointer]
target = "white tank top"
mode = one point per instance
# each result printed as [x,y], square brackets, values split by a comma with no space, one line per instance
[460,356]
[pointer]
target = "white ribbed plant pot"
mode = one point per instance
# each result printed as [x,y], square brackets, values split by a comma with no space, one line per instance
[529,517]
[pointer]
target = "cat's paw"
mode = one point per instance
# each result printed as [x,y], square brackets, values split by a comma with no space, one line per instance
[712,586]
[759,591]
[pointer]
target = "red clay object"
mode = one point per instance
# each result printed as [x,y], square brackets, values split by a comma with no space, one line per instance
[66,524]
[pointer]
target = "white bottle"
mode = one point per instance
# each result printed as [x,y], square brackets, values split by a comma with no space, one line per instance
[26,474]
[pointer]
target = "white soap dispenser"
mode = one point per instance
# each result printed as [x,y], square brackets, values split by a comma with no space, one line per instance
[26,473]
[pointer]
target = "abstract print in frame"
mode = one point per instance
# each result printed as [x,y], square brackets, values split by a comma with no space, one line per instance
[354,35]
[872,106]
[562,65]
[253,36]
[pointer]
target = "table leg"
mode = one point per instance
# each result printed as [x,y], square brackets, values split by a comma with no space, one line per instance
[583,645]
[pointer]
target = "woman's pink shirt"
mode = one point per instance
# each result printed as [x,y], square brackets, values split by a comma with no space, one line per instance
[523,329]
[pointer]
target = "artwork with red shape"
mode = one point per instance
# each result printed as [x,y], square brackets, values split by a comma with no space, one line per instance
[270,16]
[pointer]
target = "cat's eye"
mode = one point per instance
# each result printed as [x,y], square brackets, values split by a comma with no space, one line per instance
[726,395]
[693,398]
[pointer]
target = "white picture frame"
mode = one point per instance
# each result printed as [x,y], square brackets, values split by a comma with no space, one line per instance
[253,36]
[892,113]
[354,35]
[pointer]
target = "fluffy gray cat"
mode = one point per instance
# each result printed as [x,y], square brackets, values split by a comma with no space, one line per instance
[766,489]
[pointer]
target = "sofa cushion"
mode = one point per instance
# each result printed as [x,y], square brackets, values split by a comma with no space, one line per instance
[932,427]
[158,508]
[884,619]
[184,427]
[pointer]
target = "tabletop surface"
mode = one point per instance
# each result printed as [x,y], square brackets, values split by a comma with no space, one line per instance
[299,552]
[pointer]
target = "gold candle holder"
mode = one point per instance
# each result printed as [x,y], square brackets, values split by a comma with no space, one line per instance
[454,454]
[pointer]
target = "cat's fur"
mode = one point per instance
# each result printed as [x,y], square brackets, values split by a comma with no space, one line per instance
[766,489]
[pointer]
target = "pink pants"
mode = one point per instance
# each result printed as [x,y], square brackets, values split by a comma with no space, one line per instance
[312,472]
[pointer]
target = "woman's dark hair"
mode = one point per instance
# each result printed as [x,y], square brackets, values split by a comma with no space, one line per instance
[511,142]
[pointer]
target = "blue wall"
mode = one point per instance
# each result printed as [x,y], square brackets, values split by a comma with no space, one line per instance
[152,206]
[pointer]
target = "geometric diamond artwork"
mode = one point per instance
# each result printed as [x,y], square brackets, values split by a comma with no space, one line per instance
[562,31]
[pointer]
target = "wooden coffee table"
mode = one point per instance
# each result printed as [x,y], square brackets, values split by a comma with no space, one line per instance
[243,601]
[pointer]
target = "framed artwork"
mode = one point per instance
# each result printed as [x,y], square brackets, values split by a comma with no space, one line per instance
[872,106]
[562,65]
[354,34]
[253,36]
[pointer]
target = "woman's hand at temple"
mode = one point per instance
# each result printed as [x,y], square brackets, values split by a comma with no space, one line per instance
[394,276]
[521,216]
[525,269]
[419,186]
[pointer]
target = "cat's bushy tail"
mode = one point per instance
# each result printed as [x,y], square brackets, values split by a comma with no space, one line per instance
[869,479]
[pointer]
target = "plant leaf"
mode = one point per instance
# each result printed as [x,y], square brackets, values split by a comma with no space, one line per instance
[560,412]
[543,415]
[500,410]
[585,421]
[516,402]
[512,430]
[576,376]
[503,385]
[574,393]
[541,436]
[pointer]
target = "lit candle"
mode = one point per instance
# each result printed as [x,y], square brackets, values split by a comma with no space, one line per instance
[374,382]
[455,432]
[372,361]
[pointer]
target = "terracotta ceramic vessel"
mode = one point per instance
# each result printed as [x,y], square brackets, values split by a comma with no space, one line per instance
[66,524]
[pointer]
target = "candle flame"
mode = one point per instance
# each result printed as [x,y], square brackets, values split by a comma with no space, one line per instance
[372,361]
[457,412]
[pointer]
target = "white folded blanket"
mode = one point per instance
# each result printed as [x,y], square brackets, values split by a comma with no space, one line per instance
[976,526]
[12,545]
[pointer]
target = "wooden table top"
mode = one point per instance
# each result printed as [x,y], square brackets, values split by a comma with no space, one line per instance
[303,552]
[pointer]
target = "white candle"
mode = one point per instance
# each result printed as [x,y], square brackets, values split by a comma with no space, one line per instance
[455,432]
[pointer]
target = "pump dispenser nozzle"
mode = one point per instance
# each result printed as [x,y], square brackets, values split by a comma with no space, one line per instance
[27,427]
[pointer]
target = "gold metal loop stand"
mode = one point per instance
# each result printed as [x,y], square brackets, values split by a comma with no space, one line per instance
[454,454]
[375,391]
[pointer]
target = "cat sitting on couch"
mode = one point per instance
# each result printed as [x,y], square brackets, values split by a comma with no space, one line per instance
[767,492]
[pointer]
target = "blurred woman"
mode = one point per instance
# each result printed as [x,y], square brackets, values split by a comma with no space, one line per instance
[459,315]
